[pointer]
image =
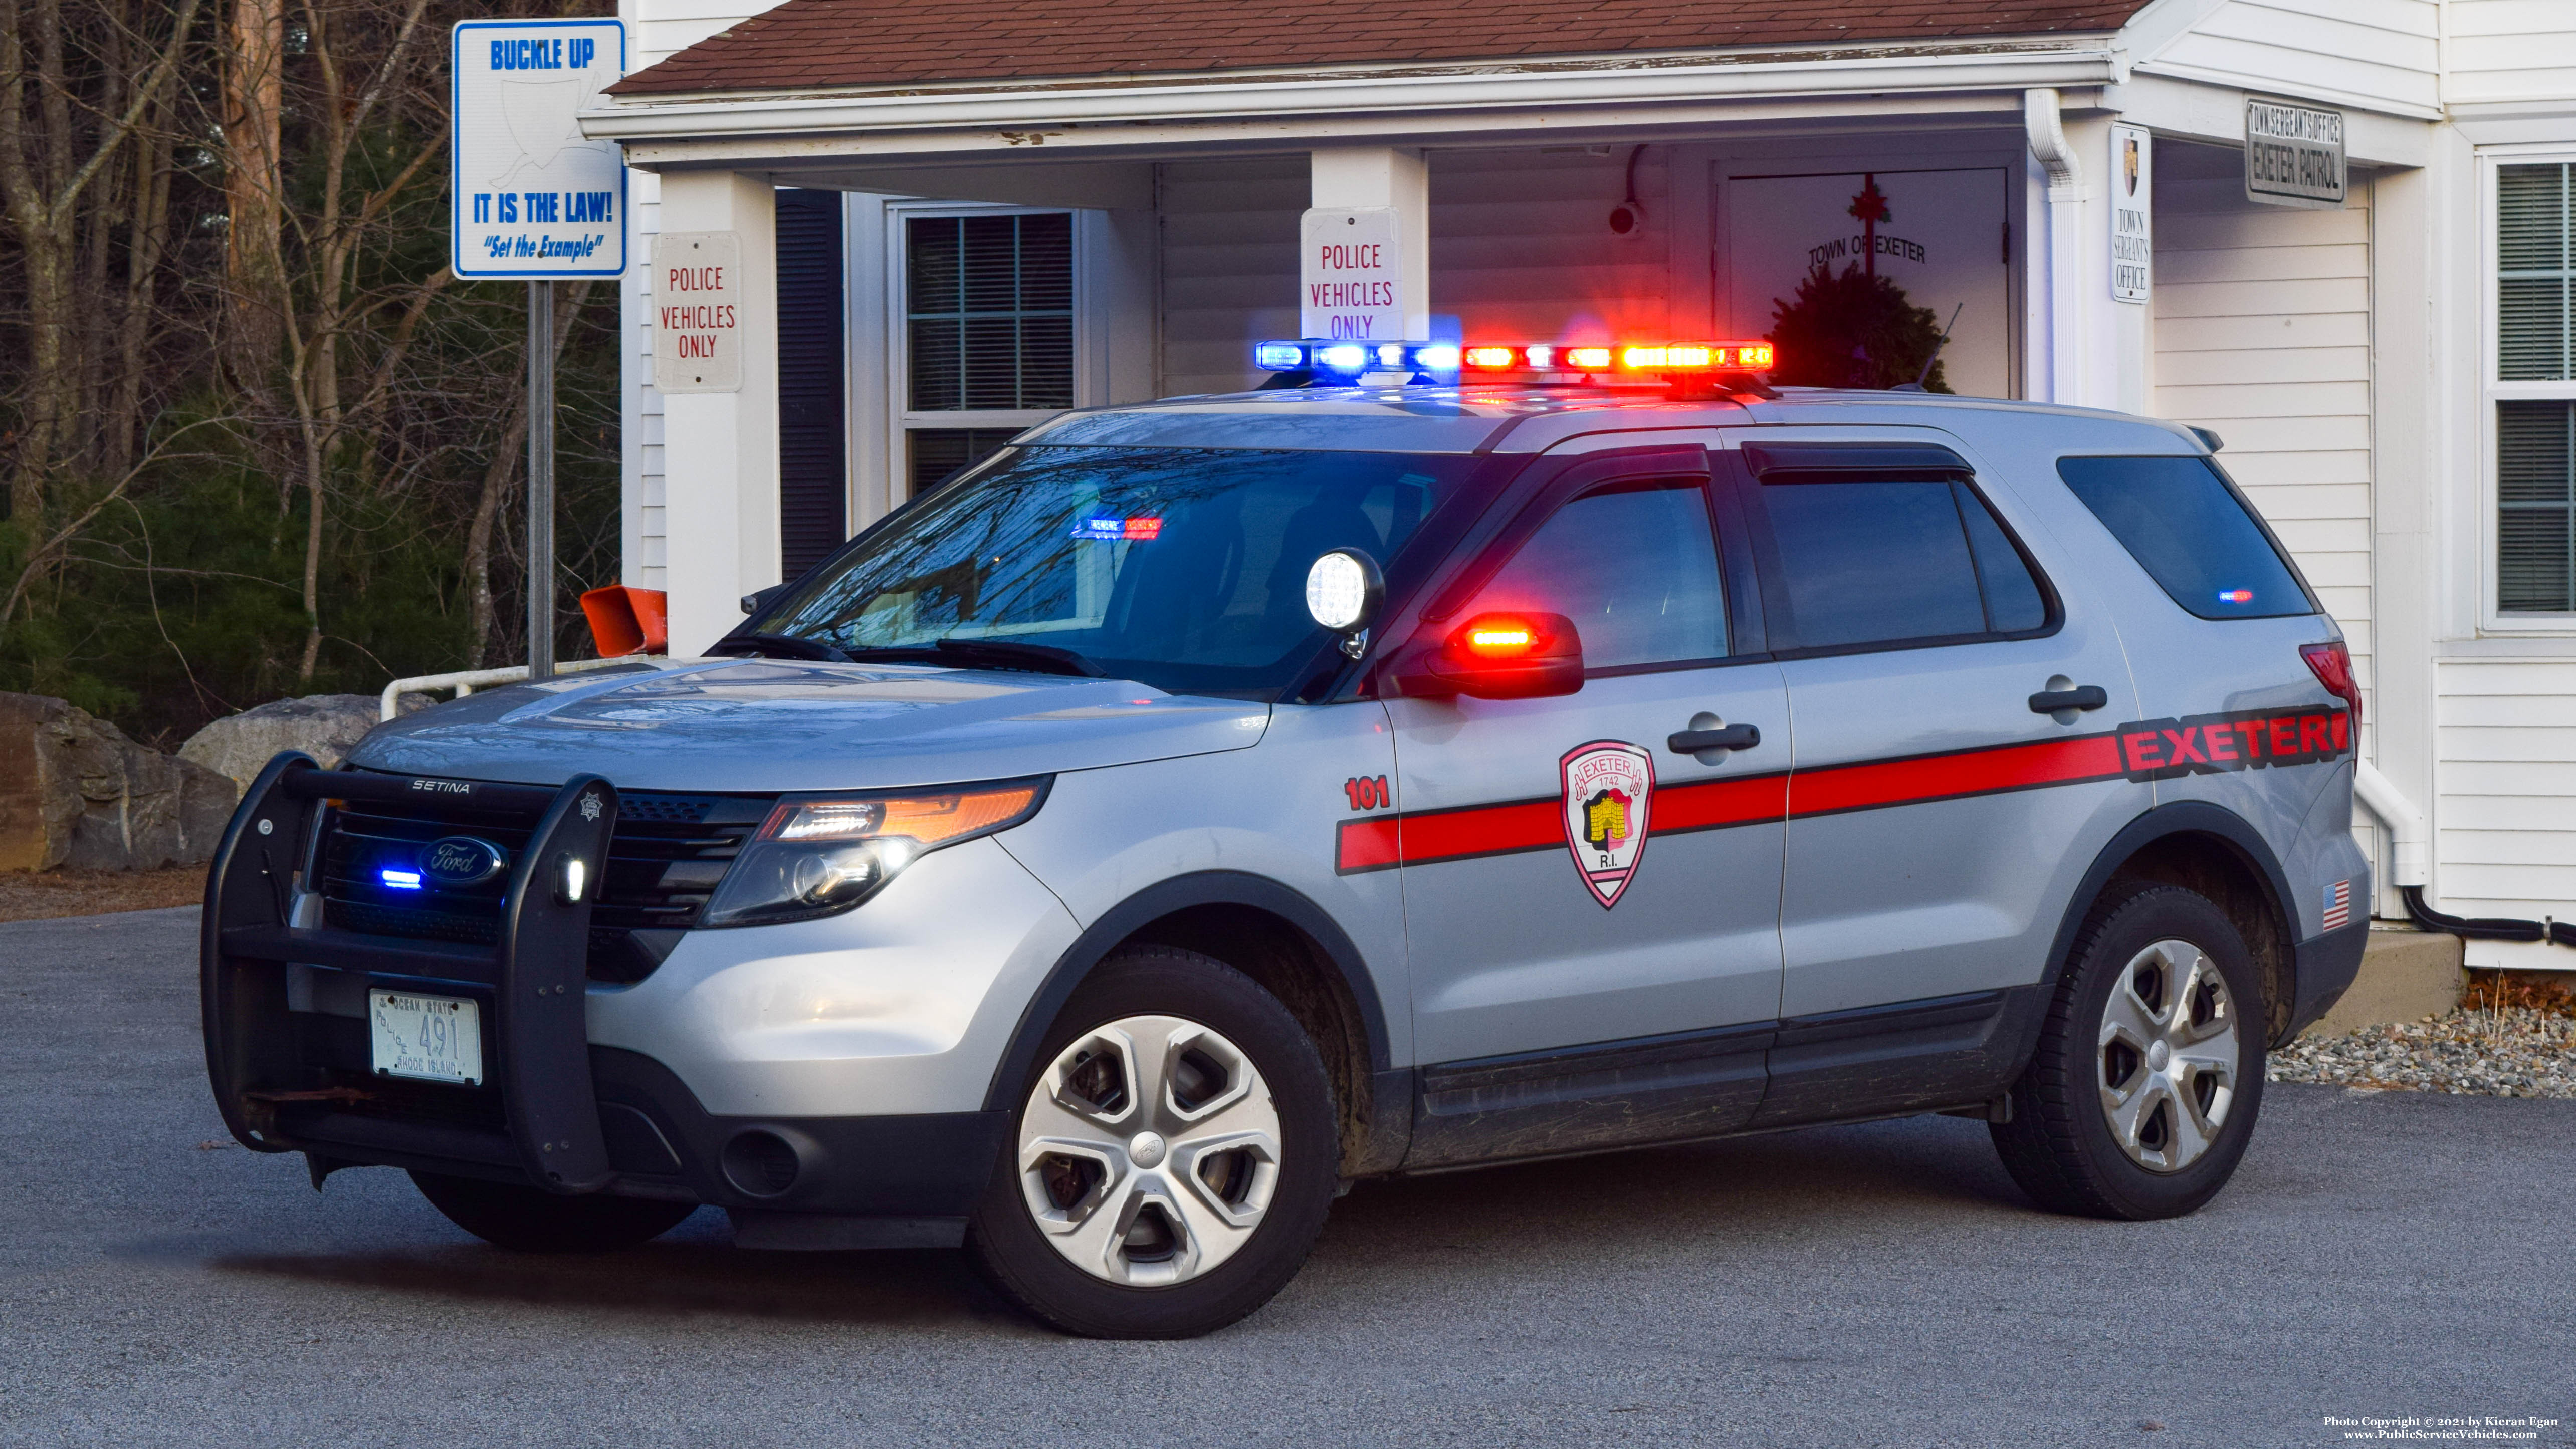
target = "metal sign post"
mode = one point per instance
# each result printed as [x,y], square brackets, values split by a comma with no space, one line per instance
[541,480]
[531,199]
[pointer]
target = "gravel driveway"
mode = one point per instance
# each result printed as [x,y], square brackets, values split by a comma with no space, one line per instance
[2381,1255]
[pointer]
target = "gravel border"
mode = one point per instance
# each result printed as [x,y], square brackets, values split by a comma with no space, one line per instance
[2512,1052]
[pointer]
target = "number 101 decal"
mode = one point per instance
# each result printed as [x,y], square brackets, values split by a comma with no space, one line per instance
[1368,792]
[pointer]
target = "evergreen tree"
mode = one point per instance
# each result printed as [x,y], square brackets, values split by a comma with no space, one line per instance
[1853,330]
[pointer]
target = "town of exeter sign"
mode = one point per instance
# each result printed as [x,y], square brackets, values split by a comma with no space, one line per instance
[2293,154]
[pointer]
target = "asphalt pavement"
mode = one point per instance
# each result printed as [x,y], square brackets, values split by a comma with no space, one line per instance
[2380,1256]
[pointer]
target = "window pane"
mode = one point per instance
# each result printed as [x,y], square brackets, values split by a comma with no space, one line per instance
[2535,272]
[2536,496]
[2182,523]
[939,454]
[1873,563]
[2013,600]
[1636,571]
[989,300]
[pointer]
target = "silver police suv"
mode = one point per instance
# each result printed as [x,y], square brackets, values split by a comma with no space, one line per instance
[1106,859]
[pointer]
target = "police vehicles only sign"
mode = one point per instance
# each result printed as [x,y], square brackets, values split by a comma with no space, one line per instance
[532,199]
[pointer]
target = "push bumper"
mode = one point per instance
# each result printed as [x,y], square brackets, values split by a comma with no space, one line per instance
[554,1111]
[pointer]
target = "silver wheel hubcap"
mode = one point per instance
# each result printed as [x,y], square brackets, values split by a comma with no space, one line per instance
[1149,1151]
[2168,1056]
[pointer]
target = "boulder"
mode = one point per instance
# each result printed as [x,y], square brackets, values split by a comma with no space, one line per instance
[325,726]
[74,791]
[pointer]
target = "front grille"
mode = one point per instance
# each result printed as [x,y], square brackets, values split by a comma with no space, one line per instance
[664,859]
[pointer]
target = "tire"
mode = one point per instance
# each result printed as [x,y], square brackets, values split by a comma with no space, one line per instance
[2149,1074]
[1116,1236]
[527,1220]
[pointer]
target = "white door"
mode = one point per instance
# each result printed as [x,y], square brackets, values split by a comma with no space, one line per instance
[1944,241]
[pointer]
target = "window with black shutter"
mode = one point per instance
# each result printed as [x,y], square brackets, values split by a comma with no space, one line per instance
[813,436]
[2535,410]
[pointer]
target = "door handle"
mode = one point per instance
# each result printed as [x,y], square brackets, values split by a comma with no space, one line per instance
[1731,737]
[2054,701]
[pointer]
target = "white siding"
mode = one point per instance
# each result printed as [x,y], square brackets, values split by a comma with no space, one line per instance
[2511,50]
[2261,320]
[2507,807]
[655,29]
[1521,247]
[2364,50]
[1229,267]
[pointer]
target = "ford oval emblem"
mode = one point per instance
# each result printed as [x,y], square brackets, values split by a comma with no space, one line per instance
[462,860]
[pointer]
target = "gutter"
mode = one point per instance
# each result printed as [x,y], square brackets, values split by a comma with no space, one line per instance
[2411,869]
[1671,80]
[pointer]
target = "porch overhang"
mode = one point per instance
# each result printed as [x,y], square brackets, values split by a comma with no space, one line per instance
[1563,100]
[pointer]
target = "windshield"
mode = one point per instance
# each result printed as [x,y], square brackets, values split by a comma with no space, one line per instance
[1181,568]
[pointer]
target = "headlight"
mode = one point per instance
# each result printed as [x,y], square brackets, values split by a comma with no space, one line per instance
[819,855]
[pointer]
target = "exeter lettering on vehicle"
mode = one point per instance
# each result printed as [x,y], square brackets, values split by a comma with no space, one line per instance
[2144,750]
[2254,739]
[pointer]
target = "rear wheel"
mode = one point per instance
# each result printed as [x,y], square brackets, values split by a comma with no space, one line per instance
[2149,1073]
[1171,1159]
[526,1220]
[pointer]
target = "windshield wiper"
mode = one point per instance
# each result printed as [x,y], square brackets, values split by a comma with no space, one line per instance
[984,654]
[776,646]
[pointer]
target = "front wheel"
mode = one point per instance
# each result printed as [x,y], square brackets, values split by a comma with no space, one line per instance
[1171,1160]
[2149,1074]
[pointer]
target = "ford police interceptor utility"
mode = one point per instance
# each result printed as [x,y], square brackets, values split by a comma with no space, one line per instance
[1200,805]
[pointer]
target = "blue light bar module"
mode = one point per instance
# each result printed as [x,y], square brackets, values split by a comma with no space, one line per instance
[1320,358]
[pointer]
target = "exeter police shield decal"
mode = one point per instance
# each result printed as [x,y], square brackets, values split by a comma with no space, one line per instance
[1609,791]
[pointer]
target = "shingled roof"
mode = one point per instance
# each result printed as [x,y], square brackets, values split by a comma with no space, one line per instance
[824,44]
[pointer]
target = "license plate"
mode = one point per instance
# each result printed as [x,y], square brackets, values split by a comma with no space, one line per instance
[435,1038]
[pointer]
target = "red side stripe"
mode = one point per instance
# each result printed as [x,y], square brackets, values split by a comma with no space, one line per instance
[1973,772]
[1379,842]
[1368,845]
[1709,804]
[1522,825]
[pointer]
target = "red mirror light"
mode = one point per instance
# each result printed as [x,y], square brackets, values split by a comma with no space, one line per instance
[1517,655]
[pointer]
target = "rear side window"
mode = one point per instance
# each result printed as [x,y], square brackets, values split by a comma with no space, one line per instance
[2190,531]
[1867,562]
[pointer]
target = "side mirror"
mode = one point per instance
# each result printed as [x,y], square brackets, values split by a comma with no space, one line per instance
[1344,591]
[1496,656]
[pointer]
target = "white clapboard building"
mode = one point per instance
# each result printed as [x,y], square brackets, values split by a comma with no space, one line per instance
[944,219]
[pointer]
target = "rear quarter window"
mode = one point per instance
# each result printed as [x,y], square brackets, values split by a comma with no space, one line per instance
[2189,529]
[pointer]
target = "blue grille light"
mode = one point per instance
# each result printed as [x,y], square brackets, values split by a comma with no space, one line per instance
[1279,356]
[401,880]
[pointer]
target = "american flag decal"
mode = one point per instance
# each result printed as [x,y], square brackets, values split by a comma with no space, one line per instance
[2338,905]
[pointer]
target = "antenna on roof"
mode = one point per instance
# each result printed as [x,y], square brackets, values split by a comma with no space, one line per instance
[1925,375]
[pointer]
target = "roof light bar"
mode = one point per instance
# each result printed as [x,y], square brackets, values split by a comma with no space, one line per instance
[1350,359]
[1676,361]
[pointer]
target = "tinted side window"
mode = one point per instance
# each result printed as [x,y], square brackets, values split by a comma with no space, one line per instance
[2182,523]
[1636,570]
[1884,563]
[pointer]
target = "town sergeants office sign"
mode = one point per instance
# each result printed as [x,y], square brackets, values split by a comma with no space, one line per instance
[2293,154]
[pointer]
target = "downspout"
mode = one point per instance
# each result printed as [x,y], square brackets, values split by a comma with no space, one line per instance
[2066,190]
[2411,868]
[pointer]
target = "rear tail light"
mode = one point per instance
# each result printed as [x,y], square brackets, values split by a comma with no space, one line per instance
[2331,663]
